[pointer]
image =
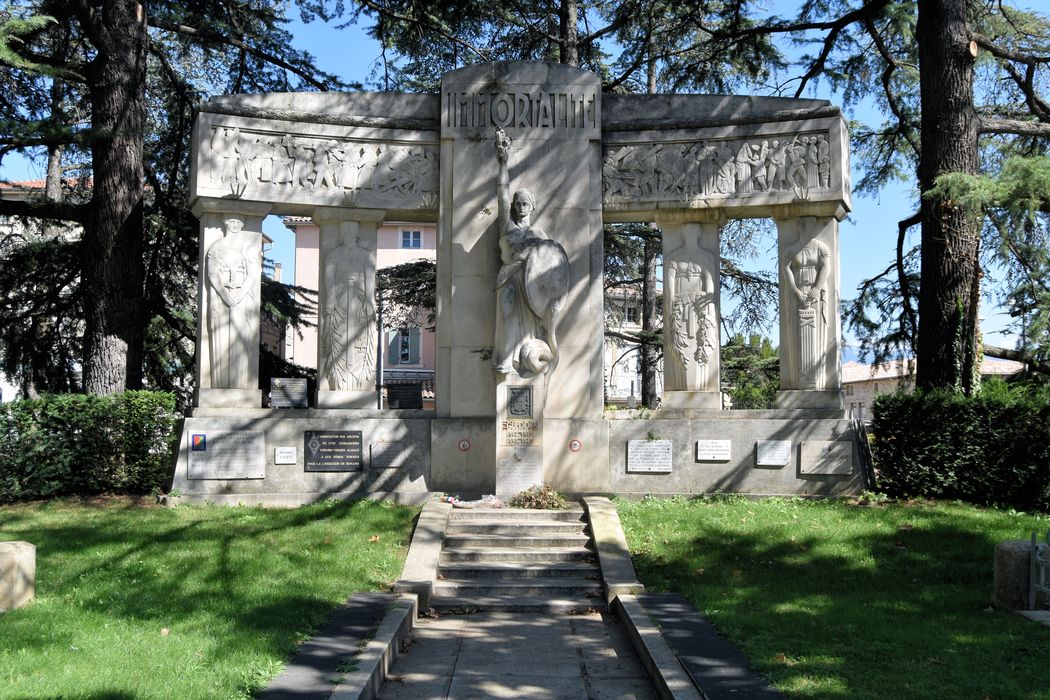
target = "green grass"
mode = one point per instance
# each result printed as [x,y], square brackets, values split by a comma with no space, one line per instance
[186,602]
[834,600]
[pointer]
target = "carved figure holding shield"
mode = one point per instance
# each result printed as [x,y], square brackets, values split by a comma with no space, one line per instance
[532,282]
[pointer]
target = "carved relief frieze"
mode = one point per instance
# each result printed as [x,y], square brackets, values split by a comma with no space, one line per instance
[696,171]
[361,172]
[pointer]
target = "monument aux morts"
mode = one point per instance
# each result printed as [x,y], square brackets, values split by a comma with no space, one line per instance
[520,164]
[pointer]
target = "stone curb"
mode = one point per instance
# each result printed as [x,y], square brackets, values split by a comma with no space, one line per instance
[424,551]
[378,656]
[611,544]
[661,663]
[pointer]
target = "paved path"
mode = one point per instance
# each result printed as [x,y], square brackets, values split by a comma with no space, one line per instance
[518,655]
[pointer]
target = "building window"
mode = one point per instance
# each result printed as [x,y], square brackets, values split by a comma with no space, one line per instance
[411,239]
[403,347]
[630,314]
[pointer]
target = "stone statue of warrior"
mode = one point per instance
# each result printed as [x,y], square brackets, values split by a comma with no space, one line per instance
[532,282]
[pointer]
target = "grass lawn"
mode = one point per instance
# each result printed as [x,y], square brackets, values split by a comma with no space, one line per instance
[186,602]
[835,600]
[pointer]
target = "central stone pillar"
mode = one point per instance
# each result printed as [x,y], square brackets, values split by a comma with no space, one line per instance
[519,318]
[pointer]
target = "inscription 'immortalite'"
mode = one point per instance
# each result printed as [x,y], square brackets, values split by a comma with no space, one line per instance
[535,109]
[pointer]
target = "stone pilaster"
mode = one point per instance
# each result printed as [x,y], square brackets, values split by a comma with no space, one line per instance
[348,336]
[810,336]
[691,310]
[229,294]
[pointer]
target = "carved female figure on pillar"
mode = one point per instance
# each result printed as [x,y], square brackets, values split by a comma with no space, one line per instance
[348,322]
[806,267]
[532,282]
[230,264]
[690,311]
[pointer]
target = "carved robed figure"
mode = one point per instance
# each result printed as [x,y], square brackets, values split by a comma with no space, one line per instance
[228,266]
[532,282]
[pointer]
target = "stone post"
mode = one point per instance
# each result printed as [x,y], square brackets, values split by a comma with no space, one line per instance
[347,329]
[810,334]
[17,574]
[229,289]
[691,310]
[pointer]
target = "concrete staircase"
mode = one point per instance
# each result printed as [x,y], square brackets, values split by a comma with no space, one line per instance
[518,561]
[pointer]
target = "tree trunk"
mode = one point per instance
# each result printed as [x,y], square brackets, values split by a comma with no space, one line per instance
[112,244]
[649,352]
[950,276]
[568,14]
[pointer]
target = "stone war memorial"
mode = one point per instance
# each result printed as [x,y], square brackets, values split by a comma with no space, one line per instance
[520,164]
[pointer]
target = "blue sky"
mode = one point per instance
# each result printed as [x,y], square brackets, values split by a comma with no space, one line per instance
[867,236]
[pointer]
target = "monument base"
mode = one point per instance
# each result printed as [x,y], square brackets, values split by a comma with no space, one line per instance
[809,399]
[346,399]
[692,399]
[519,434]
[229,398]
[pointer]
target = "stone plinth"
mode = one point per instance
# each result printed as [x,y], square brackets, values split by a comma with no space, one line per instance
[1010,576]
[17,574]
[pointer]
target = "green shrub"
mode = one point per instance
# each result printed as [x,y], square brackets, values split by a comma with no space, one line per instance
[990,449]
[76,444]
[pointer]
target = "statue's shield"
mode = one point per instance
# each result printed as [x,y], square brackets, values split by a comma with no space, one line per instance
[546,276]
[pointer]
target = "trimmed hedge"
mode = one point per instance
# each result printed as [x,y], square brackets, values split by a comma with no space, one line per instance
[75,444]
[991,449]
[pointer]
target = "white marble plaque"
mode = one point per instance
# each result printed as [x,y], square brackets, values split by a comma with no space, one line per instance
[714,450]
[515,433]
[826,457]
[285,455]
[649,456]
[519,469]
[772,453]
[227,454]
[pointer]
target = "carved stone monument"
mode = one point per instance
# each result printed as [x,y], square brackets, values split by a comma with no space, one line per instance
[520,164]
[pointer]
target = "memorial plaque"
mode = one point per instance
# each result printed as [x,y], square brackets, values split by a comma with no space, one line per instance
[332,450]
[227,454]
[772,453]
[519,469]
[649,456]
[519,401]
[826,457]
[288,392]
[404,395]
[517,433]
[714,450]
[285,455]
[387,455]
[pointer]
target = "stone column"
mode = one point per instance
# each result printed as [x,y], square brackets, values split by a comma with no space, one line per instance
[810,334]
[691,311]
[347,328]
[229,288]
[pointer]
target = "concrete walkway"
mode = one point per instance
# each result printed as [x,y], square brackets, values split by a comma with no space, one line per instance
[518,655]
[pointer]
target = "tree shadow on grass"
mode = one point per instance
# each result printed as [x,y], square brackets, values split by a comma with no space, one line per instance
[896,611]
[247,578]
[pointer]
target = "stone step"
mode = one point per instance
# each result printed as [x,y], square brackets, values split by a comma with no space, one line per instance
[519,555]
[511,528]
[553,587]
[571,514]
[498,569]
[511,542]
[541,604]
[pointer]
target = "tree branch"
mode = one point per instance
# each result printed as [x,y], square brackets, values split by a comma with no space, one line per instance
[1012,126]
[216,37]
[902,278]
[416,21]
[1000,52]
[61,211]
[1033,363]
